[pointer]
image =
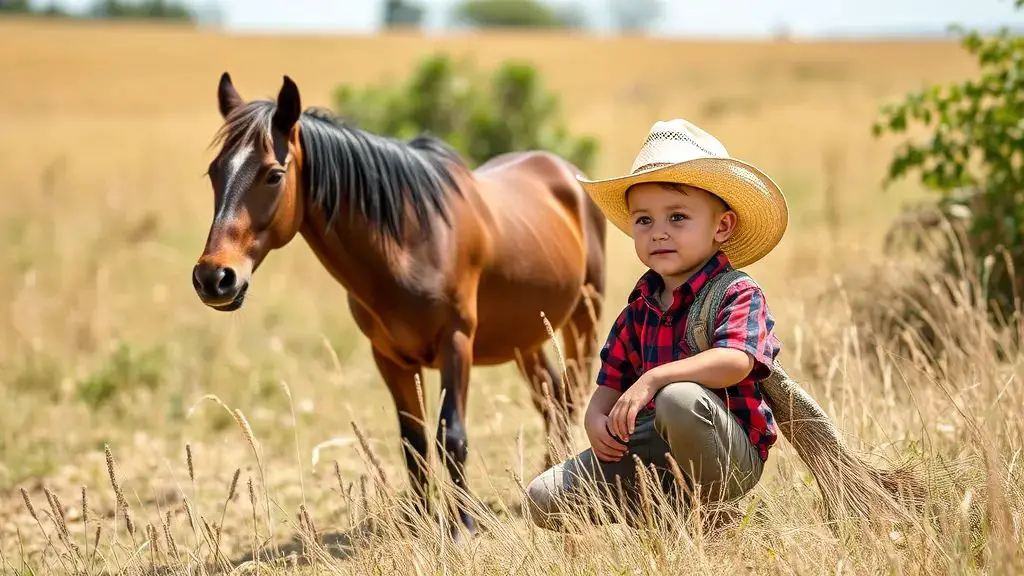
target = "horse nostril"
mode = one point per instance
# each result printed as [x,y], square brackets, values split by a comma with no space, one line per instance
[227,280]
[196,282]
[213,282]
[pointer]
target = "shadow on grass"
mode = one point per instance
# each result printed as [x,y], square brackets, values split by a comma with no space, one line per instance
[303,549]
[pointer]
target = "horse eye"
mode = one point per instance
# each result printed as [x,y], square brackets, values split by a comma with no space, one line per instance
[274,178]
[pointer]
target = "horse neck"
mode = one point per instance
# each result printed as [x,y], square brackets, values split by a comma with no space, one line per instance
[350,248]
[349,252]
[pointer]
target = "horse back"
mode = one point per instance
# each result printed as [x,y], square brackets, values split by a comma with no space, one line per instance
[543,186]
[534,183]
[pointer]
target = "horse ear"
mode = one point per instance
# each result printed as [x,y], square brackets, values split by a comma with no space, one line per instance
[227,97]
[289,106]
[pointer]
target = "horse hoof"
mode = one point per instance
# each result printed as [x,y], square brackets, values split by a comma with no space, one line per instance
[463,531]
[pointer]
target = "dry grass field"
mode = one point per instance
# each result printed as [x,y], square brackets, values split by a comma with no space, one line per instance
[104,134]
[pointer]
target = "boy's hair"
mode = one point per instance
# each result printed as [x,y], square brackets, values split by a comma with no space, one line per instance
[683,188]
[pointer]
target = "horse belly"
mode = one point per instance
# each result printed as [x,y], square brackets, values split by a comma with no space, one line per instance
[545,276]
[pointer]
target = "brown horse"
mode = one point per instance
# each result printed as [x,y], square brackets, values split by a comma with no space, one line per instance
[444,267]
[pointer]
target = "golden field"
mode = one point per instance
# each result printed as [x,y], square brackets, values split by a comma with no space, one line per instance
[104,140]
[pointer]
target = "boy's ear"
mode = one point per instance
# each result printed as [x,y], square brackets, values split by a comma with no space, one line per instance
[726,226]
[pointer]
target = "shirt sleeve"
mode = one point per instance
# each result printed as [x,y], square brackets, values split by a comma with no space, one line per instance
[617,370]
[744,323]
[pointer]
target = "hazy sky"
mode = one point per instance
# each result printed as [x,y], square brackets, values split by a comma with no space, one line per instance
[690,17]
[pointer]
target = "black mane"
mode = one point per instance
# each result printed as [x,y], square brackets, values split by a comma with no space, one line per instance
[378,175]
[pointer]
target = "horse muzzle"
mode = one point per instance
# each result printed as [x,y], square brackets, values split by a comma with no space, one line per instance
[219,287]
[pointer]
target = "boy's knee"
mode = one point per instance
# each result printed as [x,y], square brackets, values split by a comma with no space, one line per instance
[541,498]
[696,425]
[682,406]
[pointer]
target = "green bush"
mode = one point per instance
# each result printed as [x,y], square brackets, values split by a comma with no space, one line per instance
[16,6]
[514,14]
[975,143]
[125,371]
[480,117]
[145,9]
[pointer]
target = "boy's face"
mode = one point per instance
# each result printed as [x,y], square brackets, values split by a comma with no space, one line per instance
[676,228]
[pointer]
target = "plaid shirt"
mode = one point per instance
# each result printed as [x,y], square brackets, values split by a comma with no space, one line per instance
[643,337]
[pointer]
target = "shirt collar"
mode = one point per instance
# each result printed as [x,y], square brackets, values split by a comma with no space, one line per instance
[650,284]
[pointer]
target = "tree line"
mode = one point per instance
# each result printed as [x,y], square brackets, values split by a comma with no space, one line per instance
[627,15]
[107,9]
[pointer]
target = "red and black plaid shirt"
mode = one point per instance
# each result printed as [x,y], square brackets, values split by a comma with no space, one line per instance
[644,337]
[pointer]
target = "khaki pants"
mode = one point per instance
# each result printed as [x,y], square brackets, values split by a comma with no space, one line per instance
[688,421]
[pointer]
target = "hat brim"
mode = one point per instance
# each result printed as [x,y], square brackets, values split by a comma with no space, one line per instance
[762,214]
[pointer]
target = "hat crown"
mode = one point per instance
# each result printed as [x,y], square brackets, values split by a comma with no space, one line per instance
[674,141]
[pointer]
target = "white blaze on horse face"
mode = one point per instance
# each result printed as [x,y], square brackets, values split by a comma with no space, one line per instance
[241,170]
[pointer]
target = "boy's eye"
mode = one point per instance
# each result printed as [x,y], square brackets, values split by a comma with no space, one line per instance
[678,217]
[642,220]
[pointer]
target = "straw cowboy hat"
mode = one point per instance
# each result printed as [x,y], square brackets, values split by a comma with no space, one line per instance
[678,151]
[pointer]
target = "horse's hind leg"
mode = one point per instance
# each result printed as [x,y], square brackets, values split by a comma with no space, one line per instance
[581,345]
[548,396]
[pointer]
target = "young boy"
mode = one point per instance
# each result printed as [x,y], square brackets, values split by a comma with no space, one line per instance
[693,212]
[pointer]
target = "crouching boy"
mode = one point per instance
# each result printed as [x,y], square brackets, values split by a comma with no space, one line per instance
[693,213]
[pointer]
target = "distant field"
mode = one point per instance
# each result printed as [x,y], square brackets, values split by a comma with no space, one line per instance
[77,94]
[104,134]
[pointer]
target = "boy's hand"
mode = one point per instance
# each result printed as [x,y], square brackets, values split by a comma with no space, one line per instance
[604,445]
[622,417]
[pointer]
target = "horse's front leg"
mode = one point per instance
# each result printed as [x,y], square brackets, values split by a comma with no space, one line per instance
[401,382]
[457,358]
